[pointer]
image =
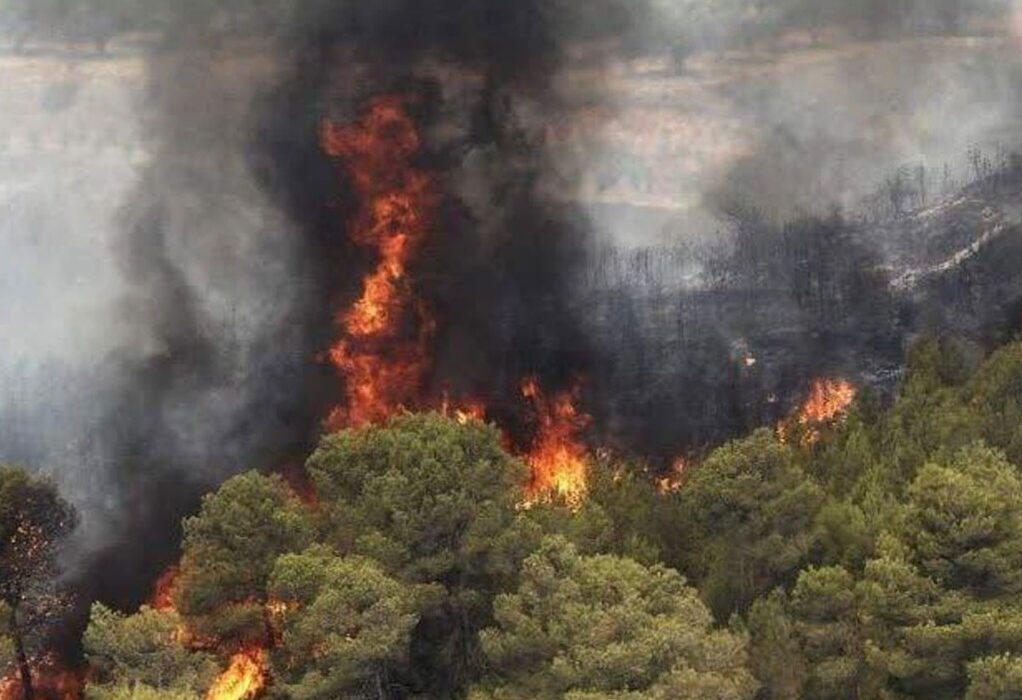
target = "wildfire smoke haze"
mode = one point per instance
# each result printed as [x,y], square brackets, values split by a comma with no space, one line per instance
[463,206]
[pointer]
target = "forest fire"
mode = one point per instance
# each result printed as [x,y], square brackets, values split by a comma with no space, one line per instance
[164,589]
[51,680]
[244,678]
[673,480]
[829,400]
[382,353]
[442,341]
[558,457]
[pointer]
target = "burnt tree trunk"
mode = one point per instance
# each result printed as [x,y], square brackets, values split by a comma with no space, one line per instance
[24,670]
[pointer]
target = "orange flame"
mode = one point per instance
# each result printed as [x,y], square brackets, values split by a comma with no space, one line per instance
[51,680]
[558,456]
[244,678]
[829,401]
[672,482]
[165,588]
[382,350]
[465,412]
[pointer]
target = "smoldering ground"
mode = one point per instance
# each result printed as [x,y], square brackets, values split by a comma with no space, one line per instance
[605,216]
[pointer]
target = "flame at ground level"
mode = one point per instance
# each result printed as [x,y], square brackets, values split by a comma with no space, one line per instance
[244,678]
[558,457]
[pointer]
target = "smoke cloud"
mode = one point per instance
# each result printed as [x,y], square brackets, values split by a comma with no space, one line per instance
[155,305]
[623,203]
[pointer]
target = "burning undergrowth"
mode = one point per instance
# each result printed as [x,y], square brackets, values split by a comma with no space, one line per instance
[424,265]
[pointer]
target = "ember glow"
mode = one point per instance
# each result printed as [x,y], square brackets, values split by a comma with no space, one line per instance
[164,589]
[558,456]
[382,352]
[673,480]
[51,680]
[244,678]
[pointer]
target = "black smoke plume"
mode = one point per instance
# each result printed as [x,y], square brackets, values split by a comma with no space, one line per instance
[235,250]
[234,255]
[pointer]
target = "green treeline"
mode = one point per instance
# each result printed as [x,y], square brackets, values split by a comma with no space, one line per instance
[881,561]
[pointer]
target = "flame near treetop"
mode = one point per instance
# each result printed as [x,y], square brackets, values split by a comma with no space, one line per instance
[829,400]
[673,480]
[164,589]
[244,678]
[382,353]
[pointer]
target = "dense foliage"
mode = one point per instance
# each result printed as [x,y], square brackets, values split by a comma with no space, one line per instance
[879,560]
[603,626]
[143,655]
[913,592]
[34,520]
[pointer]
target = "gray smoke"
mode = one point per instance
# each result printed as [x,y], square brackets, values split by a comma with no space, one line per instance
[154,302]
[71,151]
[784,124]
[170,227]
